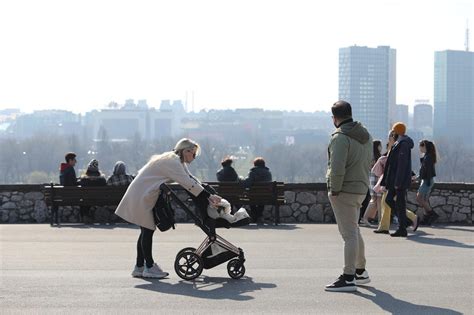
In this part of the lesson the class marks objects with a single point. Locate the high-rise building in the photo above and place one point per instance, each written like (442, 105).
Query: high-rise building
(367, 80)
(401, 114)
(423, 118)
(454, 96)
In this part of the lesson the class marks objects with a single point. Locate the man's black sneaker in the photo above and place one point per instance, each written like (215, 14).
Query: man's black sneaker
(381, 231)
(399, 233)
(342, 285)
(362, 278)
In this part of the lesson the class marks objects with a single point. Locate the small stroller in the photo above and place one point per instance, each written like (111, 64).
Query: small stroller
(213, 251)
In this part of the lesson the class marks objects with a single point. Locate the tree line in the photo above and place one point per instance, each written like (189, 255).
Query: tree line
(36, 160)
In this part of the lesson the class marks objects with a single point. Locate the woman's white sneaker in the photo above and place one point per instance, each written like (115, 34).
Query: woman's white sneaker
(137, 272)
(154, 272)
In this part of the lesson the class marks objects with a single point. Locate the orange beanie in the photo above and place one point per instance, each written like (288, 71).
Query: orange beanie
(399, 128)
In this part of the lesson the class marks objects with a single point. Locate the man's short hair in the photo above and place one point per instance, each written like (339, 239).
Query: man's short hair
(70, 156)
(341, 110)
(226, 162)
(259, 162)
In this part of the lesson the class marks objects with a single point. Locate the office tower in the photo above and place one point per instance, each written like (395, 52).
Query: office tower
(454, 96)
(423, 118)
(401, 113)
(367, 80)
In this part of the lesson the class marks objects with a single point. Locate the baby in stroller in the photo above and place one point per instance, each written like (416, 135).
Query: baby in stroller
(214, 250)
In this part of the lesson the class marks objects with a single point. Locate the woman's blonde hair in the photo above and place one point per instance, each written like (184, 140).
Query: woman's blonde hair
(186, 144)
(181, 145)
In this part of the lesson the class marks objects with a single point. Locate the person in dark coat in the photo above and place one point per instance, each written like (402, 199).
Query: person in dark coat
(427, 175)
(227, 173)
(92, 177)
(397, 176)
(67, 174)
(67, 177)
(259, 173)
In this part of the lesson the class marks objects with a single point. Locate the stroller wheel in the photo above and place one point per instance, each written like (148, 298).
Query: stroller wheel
(235, 268)
(188, 265)
(186, 249)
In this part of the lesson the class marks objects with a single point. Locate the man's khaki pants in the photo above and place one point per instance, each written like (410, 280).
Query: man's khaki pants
(346, 209)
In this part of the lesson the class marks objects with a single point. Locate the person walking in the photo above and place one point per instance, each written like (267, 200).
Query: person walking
(427, 174)
(257, 174)
(397, 177)
(349, 158)
(376, 198)
(386, 211)
(142, 194)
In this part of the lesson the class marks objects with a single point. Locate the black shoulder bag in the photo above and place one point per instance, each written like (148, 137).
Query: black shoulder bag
(163, 213)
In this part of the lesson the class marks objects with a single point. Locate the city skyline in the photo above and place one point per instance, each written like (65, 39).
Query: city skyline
(282, 55)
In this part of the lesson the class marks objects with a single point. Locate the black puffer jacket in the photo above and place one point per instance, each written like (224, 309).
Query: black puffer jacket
(227, 174)
(258, 174)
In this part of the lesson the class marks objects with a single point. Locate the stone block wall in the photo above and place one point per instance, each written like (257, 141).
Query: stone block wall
(305, 203)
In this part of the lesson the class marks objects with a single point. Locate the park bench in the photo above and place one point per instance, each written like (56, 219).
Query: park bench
(271, 193)
(56, 196)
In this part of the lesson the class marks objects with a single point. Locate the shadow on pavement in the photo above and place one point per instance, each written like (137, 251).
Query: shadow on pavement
(389, 303)
(454, 228)
(216, 288)
(420, 237)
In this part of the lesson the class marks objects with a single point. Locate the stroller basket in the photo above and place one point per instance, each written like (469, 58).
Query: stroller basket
(213, 251)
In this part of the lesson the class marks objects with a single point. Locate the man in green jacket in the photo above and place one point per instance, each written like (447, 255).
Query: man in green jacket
(349, 157)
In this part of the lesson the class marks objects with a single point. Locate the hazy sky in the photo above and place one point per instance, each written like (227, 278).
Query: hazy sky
(80, 55)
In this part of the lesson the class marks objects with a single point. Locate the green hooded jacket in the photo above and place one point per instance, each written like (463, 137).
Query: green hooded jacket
(349, 158)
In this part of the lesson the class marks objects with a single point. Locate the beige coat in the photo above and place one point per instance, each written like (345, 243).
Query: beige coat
(140, 198)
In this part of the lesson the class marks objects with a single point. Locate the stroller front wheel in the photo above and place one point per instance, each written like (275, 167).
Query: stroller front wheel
(188, 265)
(235, 268)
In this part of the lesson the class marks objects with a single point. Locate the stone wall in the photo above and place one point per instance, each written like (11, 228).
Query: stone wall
(305, 203)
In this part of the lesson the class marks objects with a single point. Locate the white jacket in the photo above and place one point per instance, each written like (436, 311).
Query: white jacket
(140, 198)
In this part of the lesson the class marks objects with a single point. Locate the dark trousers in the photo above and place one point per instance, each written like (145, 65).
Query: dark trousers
(364, 205)
(144, 248)
(398, 206)
(257, 211)
(54, 215)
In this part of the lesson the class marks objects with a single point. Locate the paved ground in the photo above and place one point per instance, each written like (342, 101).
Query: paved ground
(77, 269)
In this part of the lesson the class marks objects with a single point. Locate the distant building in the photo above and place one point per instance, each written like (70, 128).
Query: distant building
(367, 80)
(454, 96)
(423, 119)
(136, 120)
(401, 114)
(57, 122)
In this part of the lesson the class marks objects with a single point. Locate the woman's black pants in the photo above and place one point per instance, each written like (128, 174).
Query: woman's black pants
(144, 248)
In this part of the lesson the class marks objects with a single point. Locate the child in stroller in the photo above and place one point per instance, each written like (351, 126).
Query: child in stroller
(214, 250)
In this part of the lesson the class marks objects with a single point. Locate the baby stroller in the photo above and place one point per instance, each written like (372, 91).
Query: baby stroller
(213, 251)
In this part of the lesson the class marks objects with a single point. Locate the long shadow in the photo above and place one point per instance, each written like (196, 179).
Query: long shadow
(420, 237)
(454, 228)
(391, 304)
(215, 288)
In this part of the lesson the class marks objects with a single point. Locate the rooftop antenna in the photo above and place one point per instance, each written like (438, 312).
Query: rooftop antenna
(466, 43)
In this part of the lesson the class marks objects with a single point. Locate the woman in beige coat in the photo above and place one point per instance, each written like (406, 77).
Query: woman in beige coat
(140, 198)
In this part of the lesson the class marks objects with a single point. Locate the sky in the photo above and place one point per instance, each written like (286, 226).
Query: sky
(282, 55)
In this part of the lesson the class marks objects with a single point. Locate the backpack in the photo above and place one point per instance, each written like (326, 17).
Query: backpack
(163, 213)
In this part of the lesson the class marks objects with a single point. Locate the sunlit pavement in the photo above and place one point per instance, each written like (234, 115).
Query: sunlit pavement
(86, 269)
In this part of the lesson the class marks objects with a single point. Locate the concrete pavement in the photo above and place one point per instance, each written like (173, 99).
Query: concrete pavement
(86, 269)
